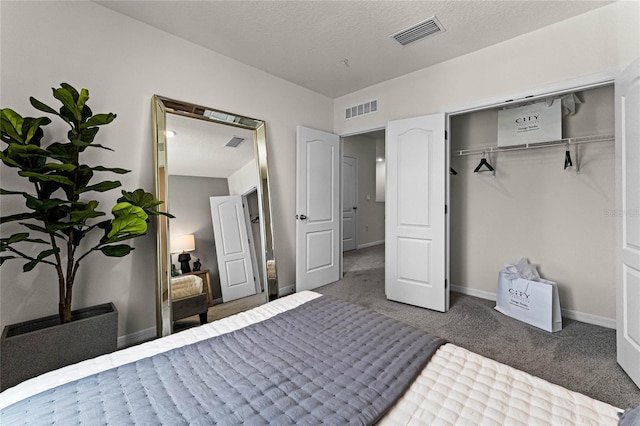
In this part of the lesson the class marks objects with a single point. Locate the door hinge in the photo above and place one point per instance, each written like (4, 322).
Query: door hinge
(446, 209)
(446, 283)
(446, 136)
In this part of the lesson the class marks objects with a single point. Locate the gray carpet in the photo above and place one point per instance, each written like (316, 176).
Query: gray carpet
(581, 357)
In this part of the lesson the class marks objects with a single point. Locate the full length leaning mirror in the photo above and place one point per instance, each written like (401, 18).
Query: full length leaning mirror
(211, 172)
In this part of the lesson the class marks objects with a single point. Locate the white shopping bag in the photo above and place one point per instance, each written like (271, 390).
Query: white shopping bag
(534, 302)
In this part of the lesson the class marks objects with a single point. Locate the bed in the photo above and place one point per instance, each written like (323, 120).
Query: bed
(188, 298)
(444, 384)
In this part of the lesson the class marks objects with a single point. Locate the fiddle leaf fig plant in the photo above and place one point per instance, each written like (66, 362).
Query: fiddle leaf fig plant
(58, 209)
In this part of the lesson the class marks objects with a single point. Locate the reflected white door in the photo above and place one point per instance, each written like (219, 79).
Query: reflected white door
(317, 208)
(349, 202)
(415, 212)
(232, 247)
(628, 220)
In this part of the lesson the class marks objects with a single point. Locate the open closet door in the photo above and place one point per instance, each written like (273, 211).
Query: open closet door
(628, 220)
(415, 212)
(317, 208)
(235, 265)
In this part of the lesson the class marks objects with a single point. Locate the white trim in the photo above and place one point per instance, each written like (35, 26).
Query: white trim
(362, 130)
(473, 292)
(579, 83)
(137, 337)
(287, 290)
(566, 313)
(371, 244)
(589, 318)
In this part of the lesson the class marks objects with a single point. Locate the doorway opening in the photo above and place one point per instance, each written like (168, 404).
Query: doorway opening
(363, 191)
(542, 201)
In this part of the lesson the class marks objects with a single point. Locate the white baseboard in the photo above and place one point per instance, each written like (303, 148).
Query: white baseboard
(137, 337)
(566, 313)
(472, 292)
(287, 290)
(589, 319)
(371, 244)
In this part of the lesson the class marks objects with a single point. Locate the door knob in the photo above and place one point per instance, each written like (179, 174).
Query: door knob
(303, 217)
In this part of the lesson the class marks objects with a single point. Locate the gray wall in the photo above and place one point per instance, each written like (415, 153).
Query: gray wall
(370, 212)
(189, 203)
(534, 208)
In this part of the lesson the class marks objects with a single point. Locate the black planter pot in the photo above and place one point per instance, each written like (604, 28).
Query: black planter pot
(30, 348)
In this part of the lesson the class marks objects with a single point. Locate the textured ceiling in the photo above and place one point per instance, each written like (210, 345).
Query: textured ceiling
(198, 148)
(307, 42)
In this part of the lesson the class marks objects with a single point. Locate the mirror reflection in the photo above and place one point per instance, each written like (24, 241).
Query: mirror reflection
(219, 251)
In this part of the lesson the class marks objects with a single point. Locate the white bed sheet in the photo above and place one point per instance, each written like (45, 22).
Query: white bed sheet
(185, 286)
(456, 387)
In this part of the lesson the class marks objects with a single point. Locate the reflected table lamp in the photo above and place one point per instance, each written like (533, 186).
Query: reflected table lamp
(182, 245)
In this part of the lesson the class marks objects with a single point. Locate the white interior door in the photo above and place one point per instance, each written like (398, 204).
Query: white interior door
(415, 258)
(317, 208)
(349, 203)
(232, 247)
(628, 220)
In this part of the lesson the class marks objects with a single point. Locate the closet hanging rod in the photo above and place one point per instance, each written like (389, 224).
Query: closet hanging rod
(559, 142)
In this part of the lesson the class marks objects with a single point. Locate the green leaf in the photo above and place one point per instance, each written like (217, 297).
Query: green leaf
(116, 251)
(127, 226)
(19, 216)
(138, 198)
(72, 90)
(83, 97)
(23, 236)
(5, 258)
(47, 178)
(109, 169)
(64, 152)
(42, 255)
(40, 229)
(15, 238)
(64, 95)
(42, 107)
(66, 167)
(101, 187)
(43, 205)
(82, 144)
(100, 119)
(124, 208)
(88, 212)
(9, 161)
(6, 192)
(34, 125)
(15, 120)
(25, 150)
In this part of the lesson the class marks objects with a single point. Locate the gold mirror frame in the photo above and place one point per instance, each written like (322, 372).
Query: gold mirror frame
(161, 106)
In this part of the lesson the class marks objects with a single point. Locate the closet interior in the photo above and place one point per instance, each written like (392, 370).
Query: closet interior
(552, 202)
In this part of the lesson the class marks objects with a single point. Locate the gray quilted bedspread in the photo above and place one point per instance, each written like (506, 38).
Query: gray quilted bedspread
(324, 362)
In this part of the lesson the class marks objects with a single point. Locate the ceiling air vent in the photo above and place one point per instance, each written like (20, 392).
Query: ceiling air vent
(235, 141)
(362, 109)
(419, 31)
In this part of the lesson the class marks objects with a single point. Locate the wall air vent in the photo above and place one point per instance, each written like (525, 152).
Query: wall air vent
(419, 31)
(234, 142)
(362, 109)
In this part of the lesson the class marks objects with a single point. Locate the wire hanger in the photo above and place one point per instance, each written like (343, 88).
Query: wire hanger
(483, 162)
(567, 158)
(452, 171)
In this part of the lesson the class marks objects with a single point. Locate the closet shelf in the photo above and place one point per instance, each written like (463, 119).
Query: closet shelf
(566, 141)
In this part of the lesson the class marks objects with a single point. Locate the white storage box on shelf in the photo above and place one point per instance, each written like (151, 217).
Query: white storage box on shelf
(528, 298)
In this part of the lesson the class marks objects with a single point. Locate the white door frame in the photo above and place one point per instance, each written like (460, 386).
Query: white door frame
(355, 211)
